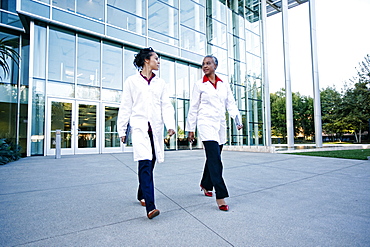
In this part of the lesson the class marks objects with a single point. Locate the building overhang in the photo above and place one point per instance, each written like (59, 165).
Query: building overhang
(274, 6)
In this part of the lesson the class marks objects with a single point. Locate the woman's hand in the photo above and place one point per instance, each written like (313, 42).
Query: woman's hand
(191, 136)
(239, 127)
(171, 132)
(123, 138)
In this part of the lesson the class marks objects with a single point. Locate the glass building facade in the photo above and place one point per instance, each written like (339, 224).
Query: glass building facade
(76, 55)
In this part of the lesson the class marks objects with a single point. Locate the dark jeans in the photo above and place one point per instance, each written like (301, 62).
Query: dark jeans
(146, 182)
(212, 174)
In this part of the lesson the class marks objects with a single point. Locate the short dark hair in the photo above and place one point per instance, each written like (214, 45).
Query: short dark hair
(140, 57)
(214, 59)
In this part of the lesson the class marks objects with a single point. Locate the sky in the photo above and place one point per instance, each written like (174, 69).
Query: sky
(343, 40)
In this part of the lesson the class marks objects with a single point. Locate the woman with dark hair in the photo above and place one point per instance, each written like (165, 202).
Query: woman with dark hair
(209, 101)
(147, 107)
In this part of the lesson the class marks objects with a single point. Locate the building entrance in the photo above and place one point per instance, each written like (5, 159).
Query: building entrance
(79, 125)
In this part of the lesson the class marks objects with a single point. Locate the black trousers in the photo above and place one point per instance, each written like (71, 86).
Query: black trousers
(212, 174)
(146, 182)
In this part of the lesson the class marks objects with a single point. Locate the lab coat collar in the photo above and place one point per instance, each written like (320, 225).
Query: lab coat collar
(205, 79)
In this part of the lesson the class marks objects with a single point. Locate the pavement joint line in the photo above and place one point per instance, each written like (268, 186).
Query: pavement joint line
(181, 207)
(59, 188)
(294, 181)
(79, 231)
(201, 222)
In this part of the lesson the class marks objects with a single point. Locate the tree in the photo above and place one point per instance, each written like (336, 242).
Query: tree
(355, 108)
(331, 99)
(7, 52)
(302, 114)
(278, 114)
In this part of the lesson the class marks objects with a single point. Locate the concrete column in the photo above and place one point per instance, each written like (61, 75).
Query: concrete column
(265, 78)
(288, 90)
(315, 76)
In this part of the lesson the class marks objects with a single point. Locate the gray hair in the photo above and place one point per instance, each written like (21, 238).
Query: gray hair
(215, 60)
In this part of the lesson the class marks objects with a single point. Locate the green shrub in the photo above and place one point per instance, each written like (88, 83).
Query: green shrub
(9, 152)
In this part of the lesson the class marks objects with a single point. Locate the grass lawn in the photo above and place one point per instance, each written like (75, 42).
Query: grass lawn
(357, 154)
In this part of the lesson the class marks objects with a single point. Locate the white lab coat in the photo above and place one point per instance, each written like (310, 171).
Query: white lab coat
(207, 110)
(142, 103)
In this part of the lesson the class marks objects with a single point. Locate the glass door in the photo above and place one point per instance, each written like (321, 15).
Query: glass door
(111, 141)
(78, 122)
(60, 117)
(87, 139)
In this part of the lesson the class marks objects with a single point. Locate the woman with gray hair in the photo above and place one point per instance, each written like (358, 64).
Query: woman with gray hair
(210, 99)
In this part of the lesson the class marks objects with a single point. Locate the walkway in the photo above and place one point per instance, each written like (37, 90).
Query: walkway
(275, 200)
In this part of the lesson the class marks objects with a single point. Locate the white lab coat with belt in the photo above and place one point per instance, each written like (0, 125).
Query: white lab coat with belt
(142, 103)
(207, 110)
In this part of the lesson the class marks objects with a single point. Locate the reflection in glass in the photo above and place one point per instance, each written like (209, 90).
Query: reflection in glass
(86, 92)
(192, 15)
(61, 119)
(167, 73)
(86, 126)
(163, 22)
(111, 134)
(182, 112)
(65, 4)
(128, 62)
(112, 66)
(88, 61)
(61, 56)
(61, 89)
(93, 9)
(182, 81)
(193, 40)
(111, 95)
(129, 15)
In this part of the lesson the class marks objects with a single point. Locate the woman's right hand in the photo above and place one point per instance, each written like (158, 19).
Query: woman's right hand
(191, 136)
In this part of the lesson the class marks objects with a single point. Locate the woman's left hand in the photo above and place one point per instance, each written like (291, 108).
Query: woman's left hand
(239, 127)
(170, 132)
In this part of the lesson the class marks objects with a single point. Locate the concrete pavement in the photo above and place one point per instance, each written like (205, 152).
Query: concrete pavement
(275, 200)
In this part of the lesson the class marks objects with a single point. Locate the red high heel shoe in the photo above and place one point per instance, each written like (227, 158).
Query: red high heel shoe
(223, 207)
(206, 193)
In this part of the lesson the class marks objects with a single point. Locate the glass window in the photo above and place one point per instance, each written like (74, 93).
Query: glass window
(254, 66)
(137, 7)
(38, 113)
(128, 63)
(217, 10)
(88, 61)
(193, 40)
(65, 4)
(163, 22)
(8, 106)
(253, 43)
(130, 15)
(112, 66)
(182, 81)
(61, 56)
(194, 75)
(93, 9)
(61, 89)
(167, 73)
(182, 112)
(40, 49)
(221, 55)
(192, 15)
(11, 75)
(86, 92)
(216, 33)
(111, 95)
(9, 5)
